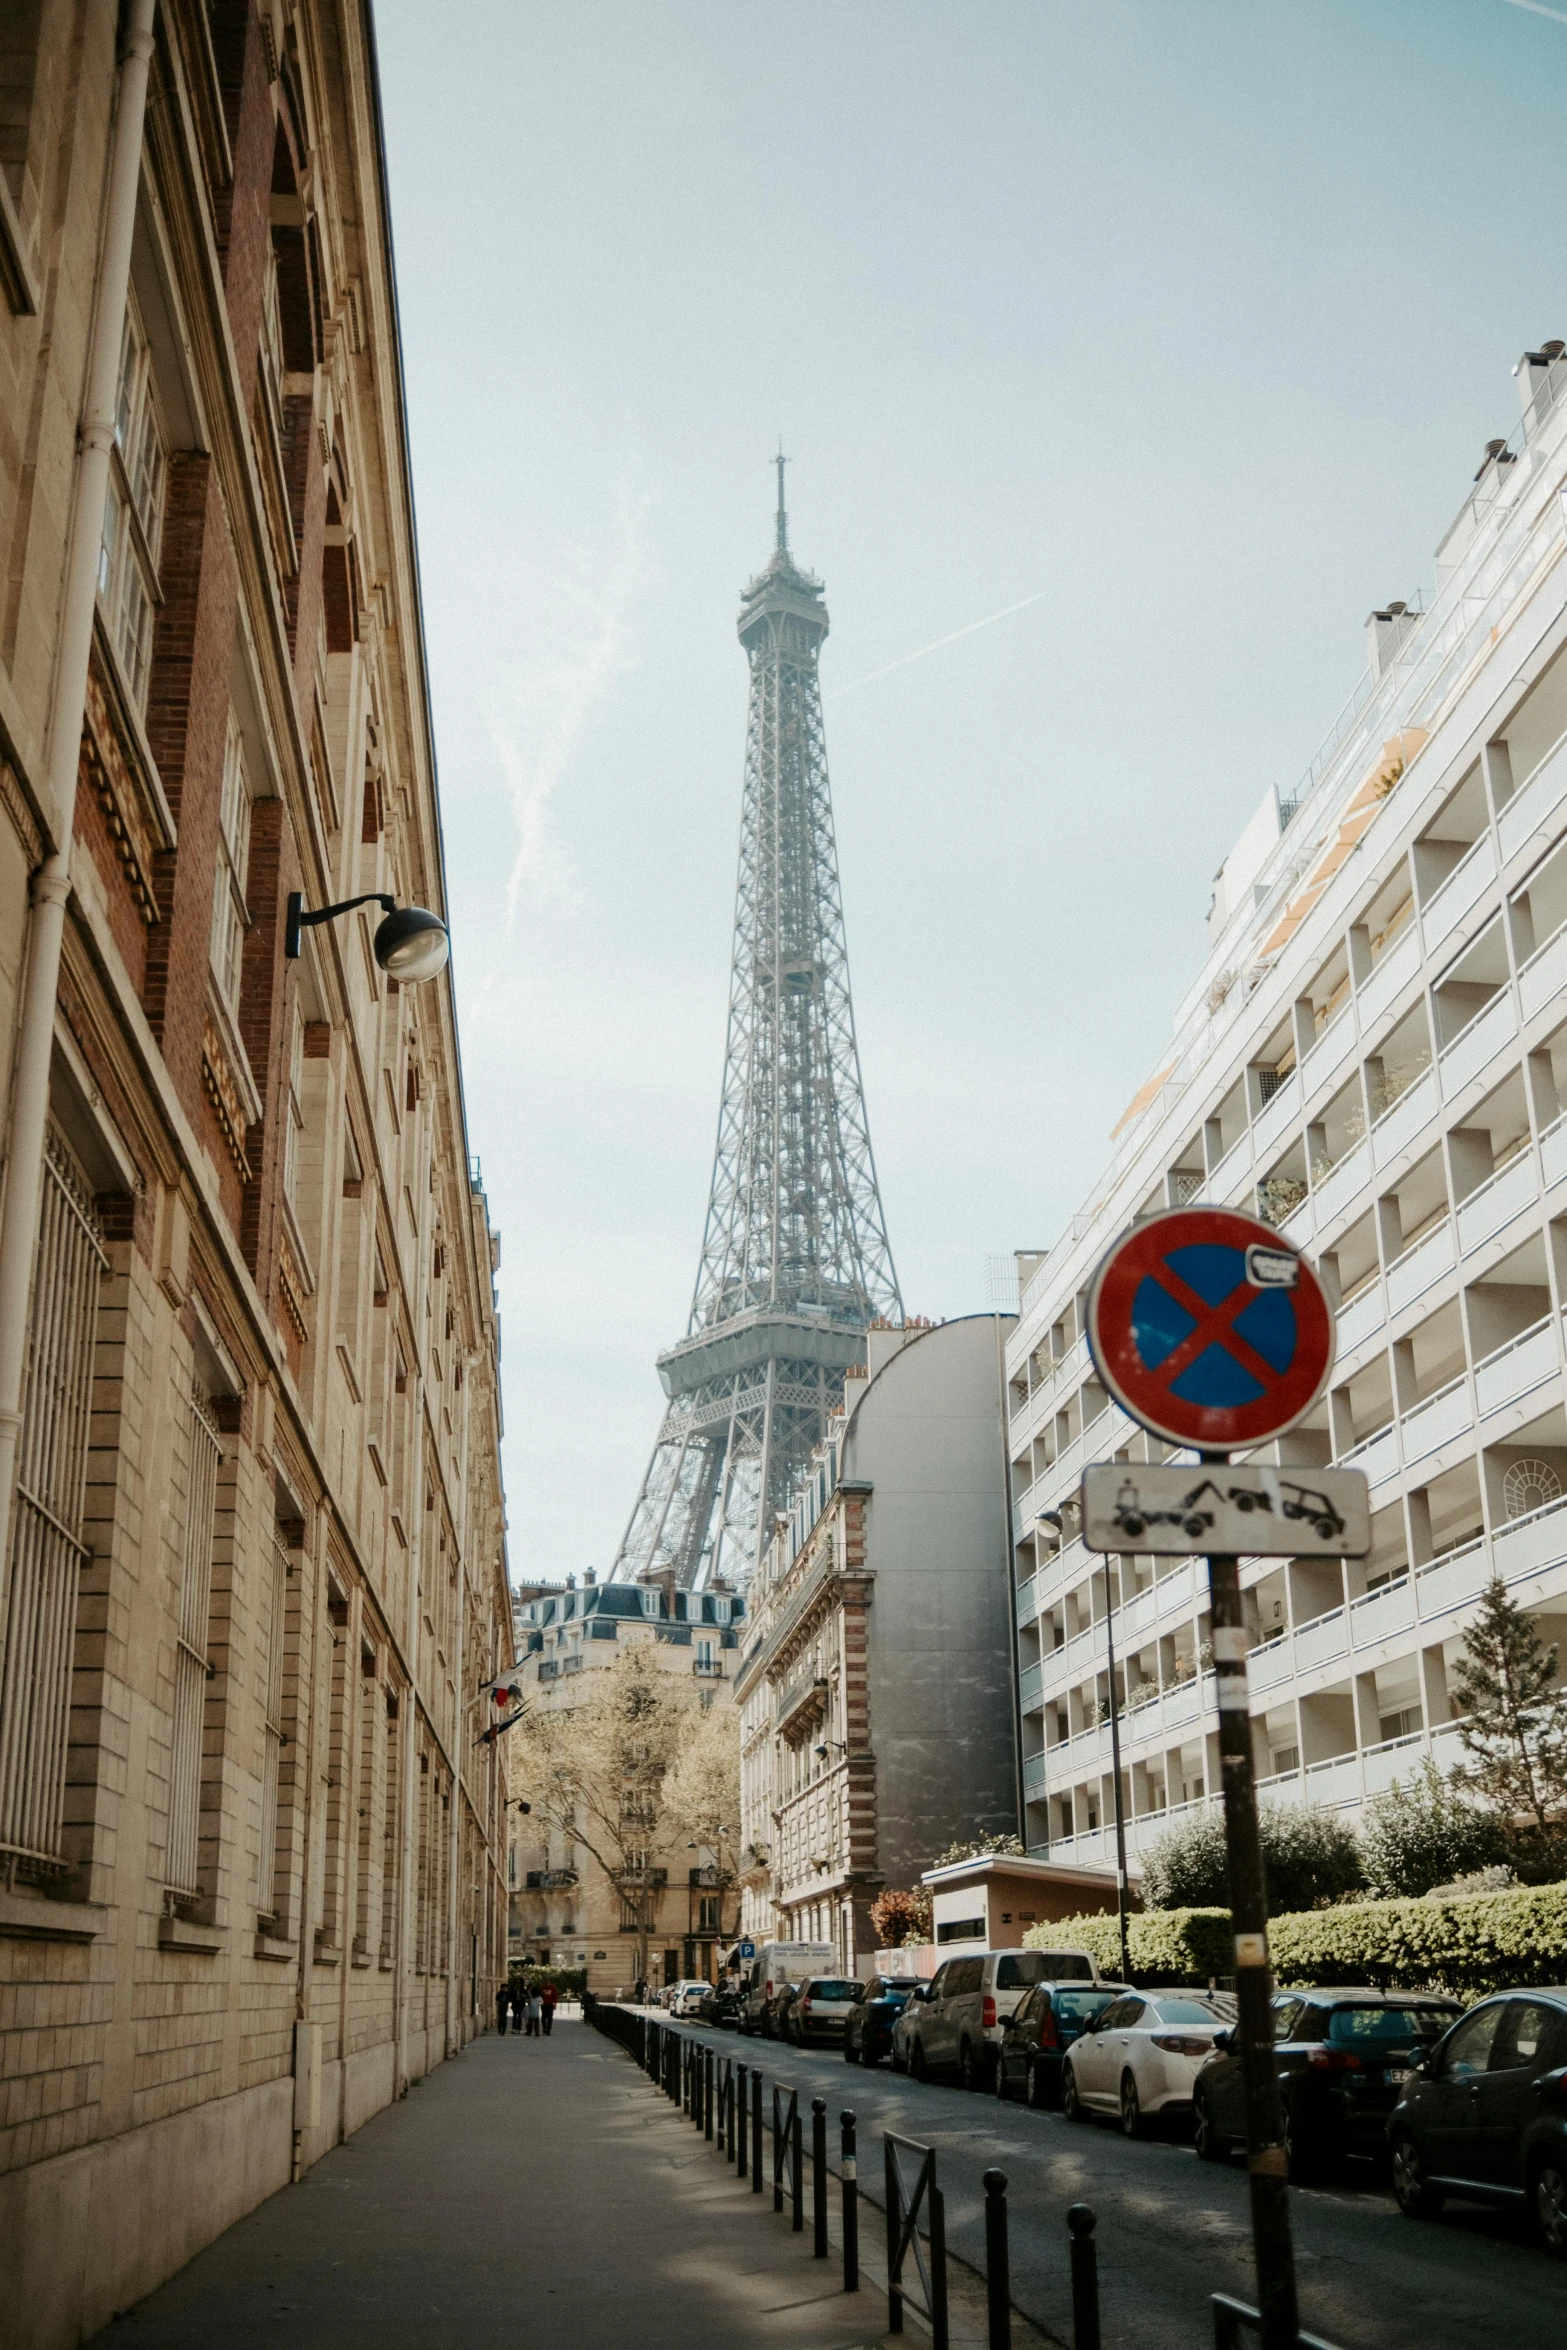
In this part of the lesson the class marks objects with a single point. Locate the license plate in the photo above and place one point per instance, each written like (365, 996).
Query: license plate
(1396, 2076)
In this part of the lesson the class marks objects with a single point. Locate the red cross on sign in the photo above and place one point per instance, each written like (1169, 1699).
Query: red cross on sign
(1209, 1328)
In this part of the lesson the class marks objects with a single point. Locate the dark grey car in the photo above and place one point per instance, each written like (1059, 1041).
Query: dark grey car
(1484, 2115)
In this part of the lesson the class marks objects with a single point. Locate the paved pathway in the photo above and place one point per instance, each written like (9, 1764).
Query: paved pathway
(536, 2194)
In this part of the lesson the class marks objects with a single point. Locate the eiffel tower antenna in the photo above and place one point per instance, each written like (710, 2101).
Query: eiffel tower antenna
(795, 1262)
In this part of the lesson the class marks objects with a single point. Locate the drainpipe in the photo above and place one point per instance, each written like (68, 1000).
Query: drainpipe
(52, 882)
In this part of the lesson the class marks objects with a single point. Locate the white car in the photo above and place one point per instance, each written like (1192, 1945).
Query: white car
(1142, 2055)
(689, 1999)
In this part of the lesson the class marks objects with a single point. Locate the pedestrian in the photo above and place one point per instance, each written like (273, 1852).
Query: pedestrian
(502, 2006)
(535, 2012)
(548, 1996)
(519, 2001)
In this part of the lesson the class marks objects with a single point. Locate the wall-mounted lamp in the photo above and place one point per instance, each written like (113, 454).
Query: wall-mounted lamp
(410, 943)
(822, 1752)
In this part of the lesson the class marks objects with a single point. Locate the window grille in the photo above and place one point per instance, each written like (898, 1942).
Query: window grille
(230, 916)
(133, 511)
(46, 1544)
(190, 1650)
(1268, 1083)
(1186, 1184)
(267, 1890)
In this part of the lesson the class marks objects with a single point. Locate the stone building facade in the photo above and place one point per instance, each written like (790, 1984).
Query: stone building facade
(877, 1720)
(566, 1910)
(251, 1856)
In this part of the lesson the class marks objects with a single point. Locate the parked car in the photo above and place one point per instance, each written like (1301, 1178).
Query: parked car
(1140, 2057)
(726, 2007)
(958, 2023)
(692, 2000)
(1038, 2033)
(1484, 2115)
(1343, 2058)
(774, 1965)
(824, 2006)
(776, 2013)
(867, 2031)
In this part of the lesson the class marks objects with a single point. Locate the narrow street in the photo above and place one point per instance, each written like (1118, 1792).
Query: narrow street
(1173, 2230)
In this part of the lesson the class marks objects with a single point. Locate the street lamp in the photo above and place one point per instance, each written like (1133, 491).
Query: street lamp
(410, 942)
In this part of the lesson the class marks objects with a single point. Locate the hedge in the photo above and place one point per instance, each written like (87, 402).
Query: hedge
(1478, 1943)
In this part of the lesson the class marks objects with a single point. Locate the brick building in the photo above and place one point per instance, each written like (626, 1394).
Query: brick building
(251, 1860)
(876, 1710)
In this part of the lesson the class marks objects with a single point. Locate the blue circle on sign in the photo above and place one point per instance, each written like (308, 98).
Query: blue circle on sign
(1216, 1377)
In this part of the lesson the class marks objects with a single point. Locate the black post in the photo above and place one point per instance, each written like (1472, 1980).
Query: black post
(1085, 2278)
(796, 2173)
(756, 2129)
(742, 2075)
(709, 2067)
(894, 2231)
(849, 2174)
(998, 2281)
(938, 2263)
(819, 2175)
(1115, 1767)
(1266, 2161)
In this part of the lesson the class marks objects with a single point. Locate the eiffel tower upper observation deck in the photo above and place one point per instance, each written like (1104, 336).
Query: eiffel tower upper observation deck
(795, 1262)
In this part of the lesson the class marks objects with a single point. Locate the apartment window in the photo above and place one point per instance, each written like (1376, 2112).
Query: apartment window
(46, 1546)
(133, 511)
(268, 1901)
(1404, 1723)
(1285, 1758)
(230, 916)
(190, 1647)
(707, 1913)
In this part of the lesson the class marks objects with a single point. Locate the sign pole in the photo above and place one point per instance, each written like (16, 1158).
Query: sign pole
(1115, 1765)
(1266, 2162)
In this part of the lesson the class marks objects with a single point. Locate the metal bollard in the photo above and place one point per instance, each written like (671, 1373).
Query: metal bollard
(848, 2172)
(1085, 2278)
(819, 2176)
(742, 2077)
(709, 2069)
(998, 2281)
(756, 2130)
(796, 2176)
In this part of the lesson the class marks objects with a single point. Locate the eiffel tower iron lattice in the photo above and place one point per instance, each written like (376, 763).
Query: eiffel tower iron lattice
(795, 1262)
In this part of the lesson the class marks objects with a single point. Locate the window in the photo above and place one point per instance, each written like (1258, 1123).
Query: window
(267, 1871)
(46, 1547)
(707, 1913)
(1468, 2051)
(1531, 2039)
(190, 1648)
(230, 916)
(961, 1930)
(133, 511)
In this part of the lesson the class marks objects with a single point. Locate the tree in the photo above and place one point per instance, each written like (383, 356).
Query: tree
(601, 1772)
(972, 1851)
(702, 1788)
(1514, 1726)
(1308, 1855)
(1426, 1832)
(901, 1917)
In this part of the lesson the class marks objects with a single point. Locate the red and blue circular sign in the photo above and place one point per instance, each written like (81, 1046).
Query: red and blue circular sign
(1209, 1329)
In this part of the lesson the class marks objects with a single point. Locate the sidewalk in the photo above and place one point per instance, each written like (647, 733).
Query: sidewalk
(537, 2194)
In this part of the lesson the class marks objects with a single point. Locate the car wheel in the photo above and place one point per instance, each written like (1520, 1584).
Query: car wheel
(850, 2055)
(917, 2071)
(1550, 2204)
(869, 2057)
(1071, 2104)
(900, 2064)
(1132, 2123)
(1412, 2190)
(1034, 2085)
(999, 2083)
(969, 2073)
(1210, 2146)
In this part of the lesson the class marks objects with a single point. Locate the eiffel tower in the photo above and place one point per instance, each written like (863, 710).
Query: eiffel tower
(795, 1262)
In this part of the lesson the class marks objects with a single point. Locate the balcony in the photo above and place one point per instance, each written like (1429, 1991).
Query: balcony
(1361, 1319)
(1412, 1274)
(1378, 1615)
(1437, 1421)
(1336, 1781)
(1459, 893)
(1508, 1192)
(1276, 1117)
(1027, 1594)
(799, 1700)
(1322, 1638)
(549, 1880)
(1531, 1545)
(1031, 1682)
(1453, 1580)
(1033, 1771)
(1399, 1124)
(1542, 979)
(1333, 1048)
(1473, 1047)
(1333, 1192)
(1553, 1151)
(1513, 1370)
(1377, 1455)
(1537, 800)
(708, 1668)
(1395, 970)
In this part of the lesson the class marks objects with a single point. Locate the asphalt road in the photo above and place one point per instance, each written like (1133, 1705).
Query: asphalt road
(1172, 2230)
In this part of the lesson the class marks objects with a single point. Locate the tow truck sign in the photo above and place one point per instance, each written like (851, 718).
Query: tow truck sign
(1171, 1509)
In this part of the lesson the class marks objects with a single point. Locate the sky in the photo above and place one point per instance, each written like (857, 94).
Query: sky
(1171, 330)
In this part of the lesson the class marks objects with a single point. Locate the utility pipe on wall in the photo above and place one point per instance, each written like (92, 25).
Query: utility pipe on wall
(52, 882)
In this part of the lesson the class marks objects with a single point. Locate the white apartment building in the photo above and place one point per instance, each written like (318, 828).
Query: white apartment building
(1374, 1057)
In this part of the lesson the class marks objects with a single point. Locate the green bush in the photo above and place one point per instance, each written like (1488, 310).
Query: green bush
(1469, 1945)
(1424, 1832)
(1164, 1945)
(1309, 1855)
(569, 1981)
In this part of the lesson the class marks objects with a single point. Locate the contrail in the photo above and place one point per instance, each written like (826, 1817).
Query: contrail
(1535, 9)
(902, 663)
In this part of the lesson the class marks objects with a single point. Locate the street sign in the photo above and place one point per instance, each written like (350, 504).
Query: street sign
(1209, 1329)
(746, 1950)
(1171, 1510)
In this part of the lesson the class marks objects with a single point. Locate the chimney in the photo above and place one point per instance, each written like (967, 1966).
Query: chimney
(1540, 376)
(1385, 632)
(589, 1578)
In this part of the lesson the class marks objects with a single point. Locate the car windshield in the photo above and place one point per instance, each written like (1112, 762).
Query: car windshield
(1388, 2023)
(1187, 2011)
(829, 1987)
(898, 1987)
(1077, 2006)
